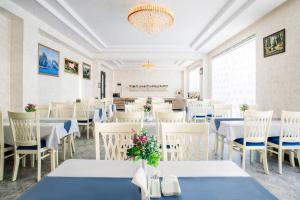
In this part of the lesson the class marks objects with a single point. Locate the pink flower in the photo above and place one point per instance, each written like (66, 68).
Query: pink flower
(143, 139)
(133, 131)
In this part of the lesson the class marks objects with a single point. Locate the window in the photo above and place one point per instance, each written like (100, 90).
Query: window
(233, 75)
(194, 80)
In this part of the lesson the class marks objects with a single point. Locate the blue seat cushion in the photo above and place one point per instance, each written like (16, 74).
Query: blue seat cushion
(241, 141)
(199, 116)
(84, 121)
(275, 140)
(43, 144)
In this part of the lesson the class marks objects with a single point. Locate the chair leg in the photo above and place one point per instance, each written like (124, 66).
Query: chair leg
(16, 166)
(244, 159)
(24, 162)
(73, 142)
(221, 146)
(64, 149)
(32, 157)
(251, 156)
(282, 156)
(230, 150)
(39, 163)
(280, 161)
(216, 143)
(292, 159)
(265, 161)
(56, 159)
(298, 157)
(88, 132)
(70, 146)
(1, 164)
(52, 159)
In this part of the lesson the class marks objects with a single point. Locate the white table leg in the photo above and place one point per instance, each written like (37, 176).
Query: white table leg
(230, 150)
(53, 158)
(221, 140)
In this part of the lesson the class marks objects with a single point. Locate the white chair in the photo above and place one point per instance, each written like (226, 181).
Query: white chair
(185, 141)
(162, 107)
(256, 130)
(66, 111)
(27, 140)
(116, 137)
(289, 139)
(157, 100)
(169, 117)
(6, 150)
(82, 114)
(44, 110)
(130, 117)
(134, 107)
(197, 111)
(221, 111)
(142, 101)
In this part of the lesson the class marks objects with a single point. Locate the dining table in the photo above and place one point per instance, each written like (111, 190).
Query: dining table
(111, 180)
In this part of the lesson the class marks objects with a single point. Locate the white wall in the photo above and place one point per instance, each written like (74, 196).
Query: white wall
(5, 34)
(173, 78)
(27, 85)
(278, 76)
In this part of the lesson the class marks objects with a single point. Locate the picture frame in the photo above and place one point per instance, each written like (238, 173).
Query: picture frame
(71, 66)
(274, 44)
(86, 71)
(48, 61)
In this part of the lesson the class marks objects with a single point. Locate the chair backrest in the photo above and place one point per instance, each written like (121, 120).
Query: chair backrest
(185, 141)
(95, 104)
(134, 107)
(257, 125)
(290, 126)
(25, 128)
(222, 110)
(191, 100)
(162, 107)
(157, 100)
(198, 108)
(116, 137)
(44, 110)
(82, 111)
(129, 117)
(65, 111)
(53, 107)
(142, 101)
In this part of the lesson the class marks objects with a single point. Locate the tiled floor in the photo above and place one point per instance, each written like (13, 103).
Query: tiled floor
(285, 187)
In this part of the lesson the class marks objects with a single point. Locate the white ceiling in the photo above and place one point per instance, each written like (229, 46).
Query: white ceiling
(101, 26)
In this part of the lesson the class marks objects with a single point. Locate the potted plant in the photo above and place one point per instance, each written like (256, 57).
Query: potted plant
(243, 108)
(144, 148)
(30, 108)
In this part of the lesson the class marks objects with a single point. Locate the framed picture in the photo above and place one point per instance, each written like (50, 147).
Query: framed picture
(274, 44)
(48, 61)
(71, 66)
(86, 71)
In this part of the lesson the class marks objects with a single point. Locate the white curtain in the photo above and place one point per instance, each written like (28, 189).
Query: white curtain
(194, 80)
(234, 76)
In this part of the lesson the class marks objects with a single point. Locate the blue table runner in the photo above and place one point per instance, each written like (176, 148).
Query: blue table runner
(192, 188)
(219, 120)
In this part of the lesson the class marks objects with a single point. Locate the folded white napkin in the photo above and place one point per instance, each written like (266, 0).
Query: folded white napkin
(170, 186)
(140, 180)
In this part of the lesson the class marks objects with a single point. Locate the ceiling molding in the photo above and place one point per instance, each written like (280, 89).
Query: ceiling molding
(145, 55)
(106, 65)
(241, 9)
(67, 8)
(59, 16)
(219, 14)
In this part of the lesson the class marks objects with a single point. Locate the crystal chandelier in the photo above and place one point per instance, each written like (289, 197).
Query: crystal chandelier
(150, 18)
(148, 65)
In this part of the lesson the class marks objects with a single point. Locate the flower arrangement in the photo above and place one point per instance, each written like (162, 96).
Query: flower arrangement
(144, 147)
(147, 108)
(30, 108)
(244, 107)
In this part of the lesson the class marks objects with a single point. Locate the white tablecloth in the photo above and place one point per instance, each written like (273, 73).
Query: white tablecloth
(109, 168)
(52, 130)
(232, 130)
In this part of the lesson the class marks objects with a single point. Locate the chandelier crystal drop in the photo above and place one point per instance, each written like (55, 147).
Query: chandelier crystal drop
(150, 18)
